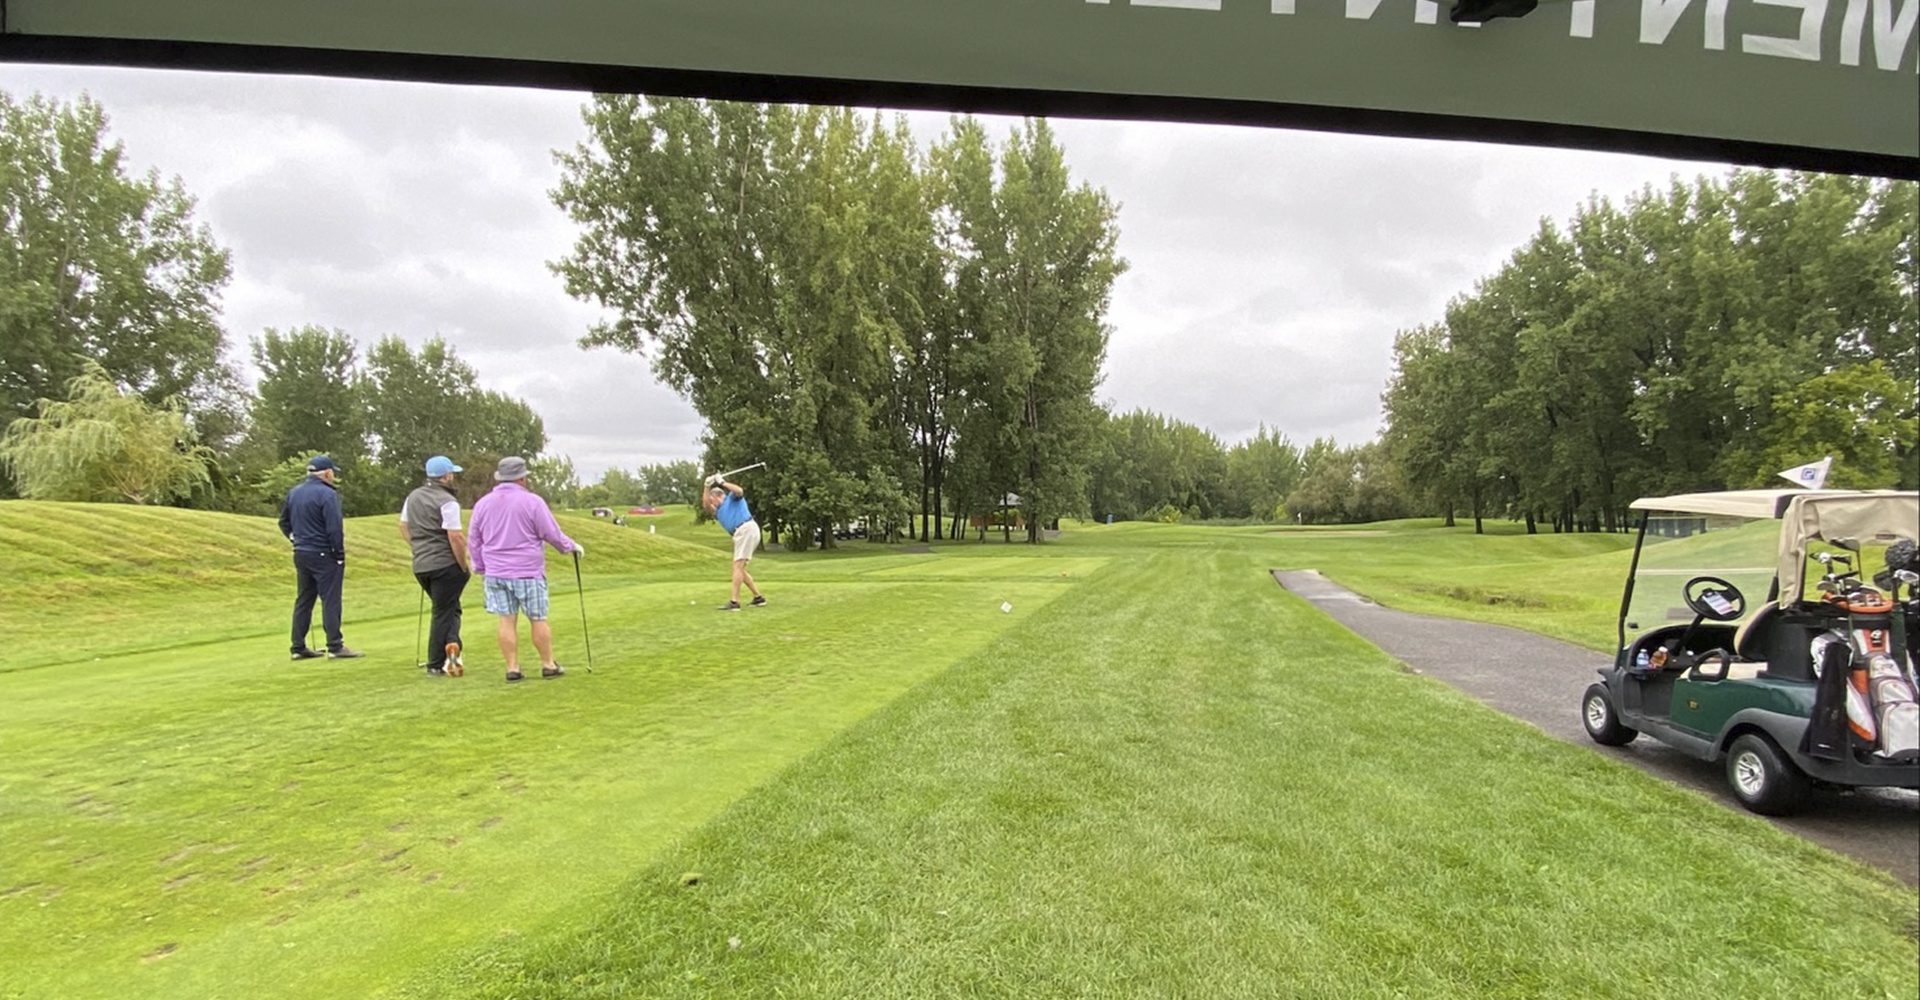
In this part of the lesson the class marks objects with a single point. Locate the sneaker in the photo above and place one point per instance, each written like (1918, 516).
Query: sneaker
(343, 653)
(554, 671)
(436, 672)
(759, 601)
(307, 654)
(456, 667)
(730, 606)
(515, 675)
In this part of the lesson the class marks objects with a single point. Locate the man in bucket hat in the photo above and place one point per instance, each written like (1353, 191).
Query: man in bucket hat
(430, 524)
(311, 521)
(504, 543)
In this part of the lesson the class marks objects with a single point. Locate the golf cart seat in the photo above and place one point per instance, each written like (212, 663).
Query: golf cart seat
(1753, 640)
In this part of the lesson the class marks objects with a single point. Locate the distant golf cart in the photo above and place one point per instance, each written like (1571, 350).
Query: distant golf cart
(1813, 685)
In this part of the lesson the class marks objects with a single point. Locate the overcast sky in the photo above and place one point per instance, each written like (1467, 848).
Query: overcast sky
(1270, 269)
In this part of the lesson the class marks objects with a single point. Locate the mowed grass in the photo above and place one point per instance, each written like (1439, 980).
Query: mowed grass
(1160, 775)
(208, 819)
(1565, 585)
(1176, 780)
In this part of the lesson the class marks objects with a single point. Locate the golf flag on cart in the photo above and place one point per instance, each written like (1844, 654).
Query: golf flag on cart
(1812, 475)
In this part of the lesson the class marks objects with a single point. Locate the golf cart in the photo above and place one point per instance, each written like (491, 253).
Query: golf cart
(1813, 684)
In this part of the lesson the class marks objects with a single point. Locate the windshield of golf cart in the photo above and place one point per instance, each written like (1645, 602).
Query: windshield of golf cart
(1679, 547)
(1747, 552)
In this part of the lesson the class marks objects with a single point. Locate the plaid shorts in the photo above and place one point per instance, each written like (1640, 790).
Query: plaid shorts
(508, 597)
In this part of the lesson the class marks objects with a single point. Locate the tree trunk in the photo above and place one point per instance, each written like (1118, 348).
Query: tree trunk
(1479, 528)
(1533, 528)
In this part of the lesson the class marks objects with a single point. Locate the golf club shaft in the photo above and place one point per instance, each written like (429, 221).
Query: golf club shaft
(744, 468)
(580, 589)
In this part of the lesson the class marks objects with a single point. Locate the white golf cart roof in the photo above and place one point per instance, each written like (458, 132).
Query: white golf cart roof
(1809, 515)
(1768, 504)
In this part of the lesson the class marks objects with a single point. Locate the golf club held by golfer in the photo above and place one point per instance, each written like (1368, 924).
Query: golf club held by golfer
(720, 477)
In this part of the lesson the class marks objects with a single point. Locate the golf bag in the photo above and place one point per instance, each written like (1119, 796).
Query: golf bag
(1861, 667)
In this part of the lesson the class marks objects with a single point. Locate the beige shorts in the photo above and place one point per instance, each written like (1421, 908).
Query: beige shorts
(746, 538)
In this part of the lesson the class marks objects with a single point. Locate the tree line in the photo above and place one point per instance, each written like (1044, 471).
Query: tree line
(115, 382)
(1706, 335)
(913, 336)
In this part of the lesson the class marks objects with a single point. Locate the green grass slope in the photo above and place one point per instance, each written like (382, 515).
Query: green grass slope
(81, 581)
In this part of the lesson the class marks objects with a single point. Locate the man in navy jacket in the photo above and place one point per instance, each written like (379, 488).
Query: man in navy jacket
(311, 521)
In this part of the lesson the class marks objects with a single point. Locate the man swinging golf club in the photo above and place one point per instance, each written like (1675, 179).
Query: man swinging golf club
(726, 502)
(503, 543)
(430, 524)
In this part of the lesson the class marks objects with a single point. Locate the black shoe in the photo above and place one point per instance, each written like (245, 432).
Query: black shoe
(759, 600)
(515, 675)
(307, 654)
(730, 606)
(436, 672)
(343, 653)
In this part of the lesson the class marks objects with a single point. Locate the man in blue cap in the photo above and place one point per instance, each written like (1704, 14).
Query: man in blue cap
(430, 524)
(311, 521)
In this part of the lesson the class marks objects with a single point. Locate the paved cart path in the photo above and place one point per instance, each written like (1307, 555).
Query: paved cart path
(1880, 827)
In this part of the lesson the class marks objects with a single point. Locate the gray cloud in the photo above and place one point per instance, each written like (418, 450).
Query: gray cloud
(1270, 269)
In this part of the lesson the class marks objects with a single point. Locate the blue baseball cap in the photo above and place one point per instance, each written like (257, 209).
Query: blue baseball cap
(321, 463)
(440, 465)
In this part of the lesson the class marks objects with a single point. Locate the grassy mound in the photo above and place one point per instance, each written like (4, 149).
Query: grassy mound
(83, 581)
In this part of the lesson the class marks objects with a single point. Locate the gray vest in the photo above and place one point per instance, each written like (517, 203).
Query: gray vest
(431, 550)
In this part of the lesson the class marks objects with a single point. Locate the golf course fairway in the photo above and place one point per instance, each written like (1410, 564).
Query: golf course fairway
(1157, 775)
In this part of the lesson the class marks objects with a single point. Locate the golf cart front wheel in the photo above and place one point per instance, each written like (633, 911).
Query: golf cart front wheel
(1602, 722)
(1763, 779)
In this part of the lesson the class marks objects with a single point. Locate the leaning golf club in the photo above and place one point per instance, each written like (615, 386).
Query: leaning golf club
(417, 616)
(580, 589)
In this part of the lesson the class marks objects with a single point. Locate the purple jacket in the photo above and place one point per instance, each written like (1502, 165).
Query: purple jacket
(509, 523)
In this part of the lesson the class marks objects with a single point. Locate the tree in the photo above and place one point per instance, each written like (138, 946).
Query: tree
(1697, 336)
(1261, 471)
(104, 443)
(556, 479)
(1325, 493)
(1039, 265)
(429, 402)
(96, 264)
(310, 398)
(670, 482)
(739, 246)
(1853, 413)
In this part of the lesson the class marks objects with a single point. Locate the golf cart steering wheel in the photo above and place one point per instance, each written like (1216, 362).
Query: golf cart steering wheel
(1714, 599)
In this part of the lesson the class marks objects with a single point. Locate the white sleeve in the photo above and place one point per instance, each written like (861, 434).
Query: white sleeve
(403, 515)
(450, 515)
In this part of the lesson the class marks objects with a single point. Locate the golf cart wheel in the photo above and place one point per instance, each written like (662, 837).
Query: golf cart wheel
(1602, 722)
(1763, 779)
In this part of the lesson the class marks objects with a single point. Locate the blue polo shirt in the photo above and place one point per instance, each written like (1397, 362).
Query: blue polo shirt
(732, 512)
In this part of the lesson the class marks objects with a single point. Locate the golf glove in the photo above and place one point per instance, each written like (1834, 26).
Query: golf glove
(579, 549)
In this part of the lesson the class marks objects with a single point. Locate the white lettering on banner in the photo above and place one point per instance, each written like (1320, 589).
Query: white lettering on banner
(1424, 11)
(1890, 31)
(1582, 24)
(1892, 23)
(1657, 18)
(1806, 45)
